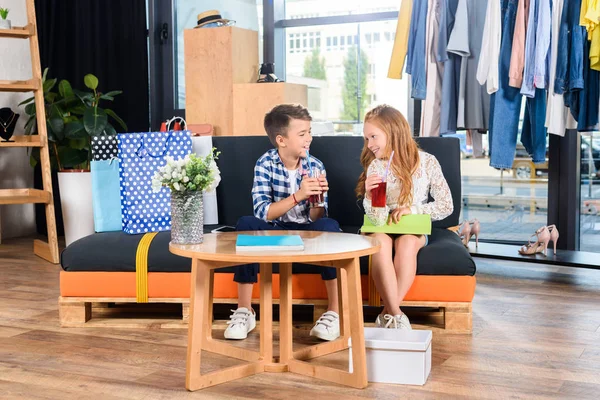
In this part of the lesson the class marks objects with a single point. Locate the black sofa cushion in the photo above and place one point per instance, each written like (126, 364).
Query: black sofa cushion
(115, 252)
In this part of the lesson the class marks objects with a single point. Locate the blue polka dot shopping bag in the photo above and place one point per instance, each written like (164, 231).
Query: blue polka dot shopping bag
(141, 155)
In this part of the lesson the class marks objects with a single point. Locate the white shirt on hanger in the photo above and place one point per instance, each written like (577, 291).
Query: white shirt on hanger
(487, 69)
(558, 117)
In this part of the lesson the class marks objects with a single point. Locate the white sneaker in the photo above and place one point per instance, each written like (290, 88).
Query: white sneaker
(379, 321)
(394, 322)
(242, 321)
(403, 322)
(327, 327)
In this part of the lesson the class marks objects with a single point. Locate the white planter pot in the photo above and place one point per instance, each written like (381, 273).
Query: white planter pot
(76, 202)
(5, 24)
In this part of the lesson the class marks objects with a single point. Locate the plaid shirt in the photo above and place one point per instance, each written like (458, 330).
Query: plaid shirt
(272, 184)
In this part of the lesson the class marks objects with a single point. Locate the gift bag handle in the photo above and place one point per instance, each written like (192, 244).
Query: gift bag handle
(142, 148)
(180, 119)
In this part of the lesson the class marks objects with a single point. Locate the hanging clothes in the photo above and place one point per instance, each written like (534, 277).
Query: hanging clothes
(558, 117)
(415, 56)
(517, 57)
(487, 69)
(591, 20)
(451, 61)
(430, 116)
(506, 106)
(574, 78)
(466, 40)
(536, 47)
(400, 41)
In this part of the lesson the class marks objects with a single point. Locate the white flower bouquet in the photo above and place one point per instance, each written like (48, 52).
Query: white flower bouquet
(190, 174)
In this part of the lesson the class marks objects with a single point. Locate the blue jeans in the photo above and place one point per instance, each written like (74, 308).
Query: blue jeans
(505, 107)
(248, 273)
(415, 56)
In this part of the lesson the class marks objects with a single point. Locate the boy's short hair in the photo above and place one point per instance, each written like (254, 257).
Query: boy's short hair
(278, 119)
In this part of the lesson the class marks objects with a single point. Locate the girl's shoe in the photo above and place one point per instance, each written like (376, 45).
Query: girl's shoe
(543, 236)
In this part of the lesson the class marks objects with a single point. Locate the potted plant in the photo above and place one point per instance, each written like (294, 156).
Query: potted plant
(72, 118)
(4, 23)
(187, 179)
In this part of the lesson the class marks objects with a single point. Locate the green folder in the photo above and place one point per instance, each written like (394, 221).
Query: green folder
(414, 224)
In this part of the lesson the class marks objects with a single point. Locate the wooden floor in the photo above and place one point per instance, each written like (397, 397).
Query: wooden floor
(536, 335)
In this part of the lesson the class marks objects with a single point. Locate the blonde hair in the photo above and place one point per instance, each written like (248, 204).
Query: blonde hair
(400, 140)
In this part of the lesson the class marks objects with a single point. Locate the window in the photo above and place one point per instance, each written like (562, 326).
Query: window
(336, 97)
(376, 37)
(388, 36)
(328, 42)
(297, 8)
(589, 215)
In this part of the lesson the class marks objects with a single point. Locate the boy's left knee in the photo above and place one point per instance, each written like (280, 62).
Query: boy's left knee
(326, 225)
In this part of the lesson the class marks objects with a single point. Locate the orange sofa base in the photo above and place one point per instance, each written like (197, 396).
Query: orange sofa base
(431, 288)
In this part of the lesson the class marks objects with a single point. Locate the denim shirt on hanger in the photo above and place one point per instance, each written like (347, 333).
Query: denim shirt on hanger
(415, 56)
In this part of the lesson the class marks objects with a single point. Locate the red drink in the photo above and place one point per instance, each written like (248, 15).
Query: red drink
(378, 195)
(316, 200)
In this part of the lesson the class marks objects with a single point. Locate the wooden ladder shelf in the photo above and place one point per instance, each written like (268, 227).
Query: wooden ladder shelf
(46, 250)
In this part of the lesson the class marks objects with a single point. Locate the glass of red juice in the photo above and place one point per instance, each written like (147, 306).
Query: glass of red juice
(378, 195)
(317, 200)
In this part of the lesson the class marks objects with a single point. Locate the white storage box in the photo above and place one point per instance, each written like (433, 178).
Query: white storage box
(397, 356)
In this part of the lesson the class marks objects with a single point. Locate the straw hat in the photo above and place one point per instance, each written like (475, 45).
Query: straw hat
(211, 16)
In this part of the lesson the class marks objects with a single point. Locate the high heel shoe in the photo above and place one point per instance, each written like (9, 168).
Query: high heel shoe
(540, 245)
(468, 229)
(553, 235)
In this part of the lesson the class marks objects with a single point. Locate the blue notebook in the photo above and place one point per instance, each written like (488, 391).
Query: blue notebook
(262, 243)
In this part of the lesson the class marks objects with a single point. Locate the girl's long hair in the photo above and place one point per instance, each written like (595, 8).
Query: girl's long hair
(400, 140)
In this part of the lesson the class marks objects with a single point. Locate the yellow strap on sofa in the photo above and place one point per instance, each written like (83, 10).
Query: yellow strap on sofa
(141, 267)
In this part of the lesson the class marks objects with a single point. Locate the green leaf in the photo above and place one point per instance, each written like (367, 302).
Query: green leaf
(116, 118)
(49, 84)
(71, 157)
(79, 144)
(50, 97)
(113, 93)
(90, 81)
(57, 125)
(30, 124)
(110, 130)
(30, 109)
(107, 97)
(94, 120)
(79, 110)
(65, 89)
(44, 74)
(75, 130)
(27, 101)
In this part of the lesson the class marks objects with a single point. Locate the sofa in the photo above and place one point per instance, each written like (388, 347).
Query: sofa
(101, 268)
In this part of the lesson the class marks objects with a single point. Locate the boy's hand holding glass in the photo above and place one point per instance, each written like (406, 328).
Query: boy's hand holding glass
(397, 213)
(308, 187)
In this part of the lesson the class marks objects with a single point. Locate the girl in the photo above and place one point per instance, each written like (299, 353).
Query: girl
(412, 176)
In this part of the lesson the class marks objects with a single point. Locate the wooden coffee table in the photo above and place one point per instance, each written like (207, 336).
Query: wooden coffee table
(339, 250)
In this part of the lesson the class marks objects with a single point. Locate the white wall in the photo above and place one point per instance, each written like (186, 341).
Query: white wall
(15, 172)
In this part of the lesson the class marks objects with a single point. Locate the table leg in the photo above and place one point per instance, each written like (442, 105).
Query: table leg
(354, 326)
(342, 284)
(266, 313)
(199, 331)
(200, 279)
(285, 312)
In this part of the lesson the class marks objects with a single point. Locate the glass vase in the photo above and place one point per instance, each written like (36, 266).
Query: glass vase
(187, 217)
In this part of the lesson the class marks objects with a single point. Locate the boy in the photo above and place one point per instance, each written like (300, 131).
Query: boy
(280, 198)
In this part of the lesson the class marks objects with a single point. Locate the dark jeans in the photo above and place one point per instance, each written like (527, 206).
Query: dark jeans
(248, 273)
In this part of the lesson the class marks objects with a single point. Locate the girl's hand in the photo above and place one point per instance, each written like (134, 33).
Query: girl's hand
(397, 214)
(371, 183)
